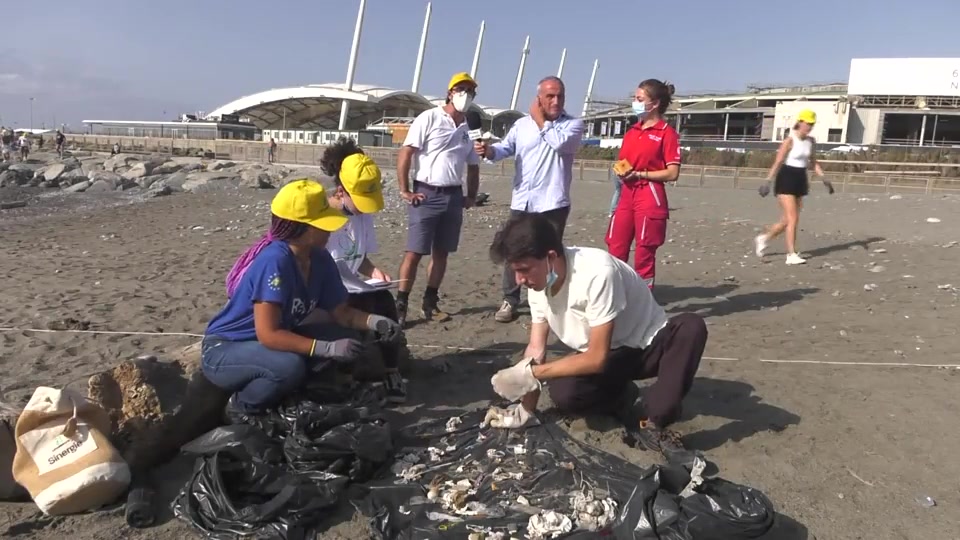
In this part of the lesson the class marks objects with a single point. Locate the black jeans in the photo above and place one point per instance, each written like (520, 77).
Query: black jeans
(673, 358)
(557, 216)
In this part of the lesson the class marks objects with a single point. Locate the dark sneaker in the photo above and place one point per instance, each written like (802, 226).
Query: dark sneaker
(431, 310)
(657, 439)
(506, 313)
(401, 312)
(395, 388)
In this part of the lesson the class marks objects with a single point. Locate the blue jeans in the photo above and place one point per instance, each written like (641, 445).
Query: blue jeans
(261, 377)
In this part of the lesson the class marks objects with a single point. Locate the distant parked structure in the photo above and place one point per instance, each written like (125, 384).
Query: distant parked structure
(888, 101)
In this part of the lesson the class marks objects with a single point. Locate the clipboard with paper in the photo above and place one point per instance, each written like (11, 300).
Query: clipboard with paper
(357, 285)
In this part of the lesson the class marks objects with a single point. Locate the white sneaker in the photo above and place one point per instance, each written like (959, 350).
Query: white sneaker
(795, 258)
(761, 243)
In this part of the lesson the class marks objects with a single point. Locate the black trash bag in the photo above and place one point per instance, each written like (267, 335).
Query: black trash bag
(553, 468)
(316, 404)
(652, 512)
(241, 486)
(354, 449)
(722, 510)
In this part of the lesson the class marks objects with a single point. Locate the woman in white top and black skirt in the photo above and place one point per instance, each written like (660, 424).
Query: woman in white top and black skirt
(795, 156)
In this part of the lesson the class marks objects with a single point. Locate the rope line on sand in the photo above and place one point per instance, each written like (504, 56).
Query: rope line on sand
(108, 332)
(497, 349)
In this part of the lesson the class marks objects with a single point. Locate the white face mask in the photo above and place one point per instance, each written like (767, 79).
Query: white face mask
(461, 101)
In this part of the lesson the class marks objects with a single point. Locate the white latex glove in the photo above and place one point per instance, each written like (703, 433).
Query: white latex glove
(515, 382)
(513, 417)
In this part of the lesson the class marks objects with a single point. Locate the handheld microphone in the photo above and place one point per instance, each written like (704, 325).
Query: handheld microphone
(475, 125)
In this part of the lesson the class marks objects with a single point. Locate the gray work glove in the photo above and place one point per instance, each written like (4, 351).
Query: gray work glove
(514, 382)
(513, 417)
(385, 329)
(764, 189)
(341, 350)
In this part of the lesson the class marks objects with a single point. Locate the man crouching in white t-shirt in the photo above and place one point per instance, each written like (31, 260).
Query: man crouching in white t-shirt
(600, 307)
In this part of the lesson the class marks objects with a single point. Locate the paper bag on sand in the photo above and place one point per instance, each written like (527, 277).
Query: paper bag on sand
(64, 458)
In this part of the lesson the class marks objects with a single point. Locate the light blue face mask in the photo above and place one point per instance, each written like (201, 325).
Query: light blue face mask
(551, 280)
(640, 108)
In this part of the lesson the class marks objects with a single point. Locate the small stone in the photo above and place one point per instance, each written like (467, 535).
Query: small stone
(878, 268)
(896, 197)
(879, 250)
(843, 333)
(196, 228)
(933, 220)
(869, 287)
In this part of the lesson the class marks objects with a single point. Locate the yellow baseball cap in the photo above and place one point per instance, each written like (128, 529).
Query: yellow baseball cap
(360, 177)
(305, 201)
(461, 77)
(807, 116)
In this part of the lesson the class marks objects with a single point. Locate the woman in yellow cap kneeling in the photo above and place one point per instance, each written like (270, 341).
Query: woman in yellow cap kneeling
(255, 346)
(796, 154)
(358, 193)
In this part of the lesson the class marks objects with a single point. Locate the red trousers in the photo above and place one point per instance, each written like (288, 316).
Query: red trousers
(631, 222)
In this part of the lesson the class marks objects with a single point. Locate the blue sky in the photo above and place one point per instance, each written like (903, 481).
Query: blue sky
(137, 59)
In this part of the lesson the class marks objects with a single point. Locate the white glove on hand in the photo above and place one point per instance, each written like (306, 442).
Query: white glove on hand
(515, 382)
(513, 417)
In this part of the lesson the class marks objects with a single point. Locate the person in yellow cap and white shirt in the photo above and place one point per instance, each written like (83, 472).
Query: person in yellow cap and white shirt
(255, 346)
(797, 153)
(356, 189)
(439, 142)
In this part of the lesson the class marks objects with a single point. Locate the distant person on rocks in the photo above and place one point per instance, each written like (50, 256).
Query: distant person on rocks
(544, 142)
(257, 347)
(652, 148)
(272, 151)
(439, 142)
(24, 145)
(115, 150)
(797, 153)
(40, 142)
(602, 309)
(6, 143)
(60, 139)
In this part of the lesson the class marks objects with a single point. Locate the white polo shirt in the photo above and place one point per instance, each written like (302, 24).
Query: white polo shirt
(599, 288)
(443, 148)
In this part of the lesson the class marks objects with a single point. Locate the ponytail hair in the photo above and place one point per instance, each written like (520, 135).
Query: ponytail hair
(662, 91)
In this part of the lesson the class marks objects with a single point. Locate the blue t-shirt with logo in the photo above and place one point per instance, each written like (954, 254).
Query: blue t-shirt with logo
(273, 277)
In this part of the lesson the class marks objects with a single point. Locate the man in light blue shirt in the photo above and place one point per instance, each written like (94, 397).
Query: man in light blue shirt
(543, 145)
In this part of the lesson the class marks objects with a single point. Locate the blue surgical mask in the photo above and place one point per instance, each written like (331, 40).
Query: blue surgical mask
(551, 280)
(640, 108)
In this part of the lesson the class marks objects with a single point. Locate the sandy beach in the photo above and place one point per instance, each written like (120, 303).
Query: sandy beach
(845, 450)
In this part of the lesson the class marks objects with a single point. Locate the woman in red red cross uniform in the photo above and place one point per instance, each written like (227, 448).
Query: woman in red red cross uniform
(652, 147)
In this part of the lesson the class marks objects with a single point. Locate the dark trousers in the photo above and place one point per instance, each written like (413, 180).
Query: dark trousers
(379, 303)
(558, 216)
(673, 358)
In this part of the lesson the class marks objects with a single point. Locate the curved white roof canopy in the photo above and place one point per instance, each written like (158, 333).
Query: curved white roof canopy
(317, 106)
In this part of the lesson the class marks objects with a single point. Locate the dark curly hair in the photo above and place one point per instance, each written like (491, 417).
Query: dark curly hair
(334, 155)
